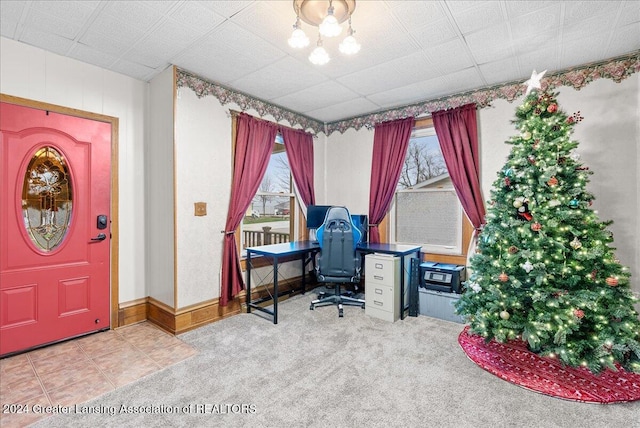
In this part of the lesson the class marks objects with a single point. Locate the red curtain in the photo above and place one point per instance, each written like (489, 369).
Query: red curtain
(254, 143)
(390, 142)
(457, 131)
(299, 148)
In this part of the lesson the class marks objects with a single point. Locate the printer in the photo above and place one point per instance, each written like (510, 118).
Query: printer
(442, 277)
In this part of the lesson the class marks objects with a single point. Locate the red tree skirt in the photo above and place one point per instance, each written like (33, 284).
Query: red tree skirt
(514, 363)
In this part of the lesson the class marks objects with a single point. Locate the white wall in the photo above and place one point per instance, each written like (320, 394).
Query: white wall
(203, 174)
(347, 170)
(159, 191)
(33, 73)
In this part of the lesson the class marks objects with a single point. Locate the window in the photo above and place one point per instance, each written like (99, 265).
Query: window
(269, 218)
(426, 210)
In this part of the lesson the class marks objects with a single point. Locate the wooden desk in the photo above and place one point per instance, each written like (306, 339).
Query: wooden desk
(306, 249)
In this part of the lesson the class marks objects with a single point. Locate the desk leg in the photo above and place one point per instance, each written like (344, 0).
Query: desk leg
(304, 273)
(401, 287)
(248, 296)
(275, 290)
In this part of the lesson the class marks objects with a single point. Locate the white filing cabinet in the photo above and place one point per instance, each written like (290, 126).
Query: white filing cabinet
(382, 286)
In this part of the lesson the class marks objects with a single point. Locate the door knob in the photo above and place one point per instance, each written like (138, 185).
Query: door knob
(100, 237)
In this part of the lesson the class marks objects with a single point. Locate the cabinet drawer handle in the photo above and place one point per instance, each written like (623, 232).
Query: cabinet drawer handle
(375, 302)
(378, 291)
(378, 265)
(379, 278)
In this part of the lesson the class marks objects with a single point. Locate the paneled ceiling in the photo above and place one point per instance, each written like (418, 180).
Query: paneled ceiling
(412, 51)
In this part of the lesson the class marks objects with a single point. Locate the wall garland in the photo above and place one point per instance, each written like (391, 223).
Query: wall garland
(616, 69)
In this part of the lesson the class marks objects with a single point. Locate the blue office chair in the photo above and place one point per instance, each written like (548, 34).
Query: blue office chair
(338, 263)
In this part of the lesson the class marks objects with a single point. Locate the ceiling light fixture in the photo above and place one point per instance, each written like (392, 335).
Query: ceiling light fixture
(328, 17)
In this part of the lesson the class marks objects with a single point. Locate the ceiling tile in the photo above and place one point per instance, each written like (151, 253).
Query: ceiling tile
(323, 95)
(344, 110)
(92, 56)
(446, 62)
(519, 8)
(543, 22)
(226, 8)
(43, 22)
(417, 14)
(546, 58)
(10, 14)
(47, 41)
(136, 13)
(198, 18)
(480, 15)
(490, 44)
(288, 75)
(391, 74)
(500, 71)
(627, 39)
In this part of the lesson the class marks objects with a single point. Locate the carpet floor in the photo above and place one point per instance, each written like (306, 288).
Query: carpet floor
(314, 369)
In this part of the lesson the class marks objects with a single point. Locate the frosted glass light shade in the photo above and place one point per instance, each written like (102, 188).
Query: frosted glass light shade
(298, 39)
(319, 56)
(349, 45)
(330, 26)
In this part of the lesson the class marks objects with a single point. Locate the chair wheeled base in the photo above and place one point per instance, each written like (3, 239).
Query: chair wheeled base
(337, 299)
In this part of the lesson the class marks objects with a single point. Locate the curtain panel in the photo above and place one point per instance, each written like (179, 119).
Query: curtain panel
(457, 132)
(390, 143)
(299, 148)
(255, 139)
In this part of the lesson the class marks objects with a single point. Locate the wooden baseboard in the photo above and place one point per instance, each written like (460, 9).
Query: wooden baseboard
(132, 312)
(190, 317)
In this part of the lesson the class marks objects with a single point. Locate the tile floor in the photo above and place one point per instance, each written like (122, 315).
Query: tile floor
(78, 370)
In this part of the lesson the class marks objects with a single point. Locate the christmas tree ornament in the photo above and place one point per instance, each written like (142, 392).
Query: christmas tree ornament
(611, 281)
(573, 203)
(531, 159)
(553, 203)
(505, 315)
(579, 313)
(527, 266)
(552, 108)
(536, 226)
(526, 135)
(513, 249)
(503, 277)
(535, 82)
(517, 203)
(575, 244)
(594, 274)
(552, 181)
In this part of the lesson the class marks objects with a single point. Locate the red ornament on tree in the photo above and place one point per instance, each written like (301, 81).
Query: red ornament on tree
(503, 277)
(579, 313)
(552, 181)
(552, 108)
(536, 226)
(611, 281)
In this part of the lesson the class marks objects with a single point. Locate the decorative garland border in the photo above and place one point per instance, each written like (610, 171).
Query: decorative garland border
(202, 88)
(616, 69)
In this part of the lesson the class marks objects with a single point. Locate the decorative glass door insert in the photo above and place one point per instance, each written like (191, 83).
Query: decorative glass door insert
(47, 199)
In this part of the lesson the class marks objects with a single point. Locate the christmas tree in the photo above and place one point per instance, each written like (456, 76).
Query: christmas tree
(545, 271)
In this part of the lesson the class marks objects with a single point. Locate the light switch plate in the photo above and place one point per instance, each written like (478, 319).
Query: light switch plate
(200, 208)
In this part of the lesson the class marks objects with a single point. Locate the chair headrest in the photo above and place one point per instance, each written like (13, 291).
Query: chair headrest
(337, 213)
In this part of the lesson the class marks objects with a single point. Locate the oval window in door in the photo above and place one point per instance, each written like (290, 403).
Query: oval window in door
(47, 199)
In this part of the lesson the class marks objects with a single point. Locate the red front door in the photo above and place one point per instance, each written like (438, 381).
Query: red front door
(54, 226)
